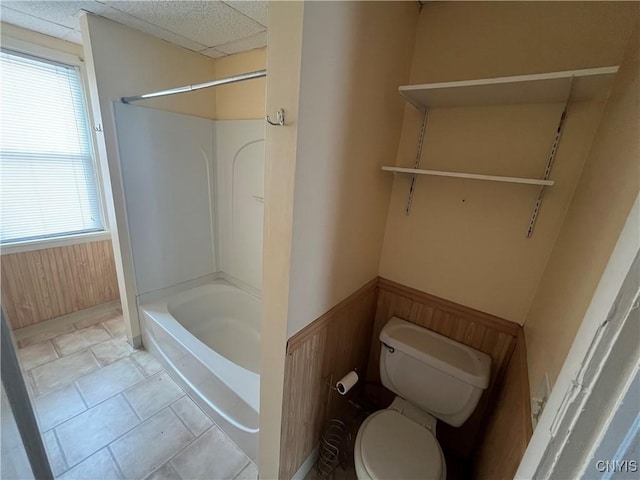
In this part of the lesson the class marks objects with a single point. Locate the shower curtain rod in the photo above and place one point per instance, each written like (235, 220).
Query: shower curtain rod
(198, 86)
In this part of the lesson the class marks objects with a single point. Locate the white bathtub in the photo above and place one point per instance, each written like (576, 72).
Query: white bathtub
(208, 338)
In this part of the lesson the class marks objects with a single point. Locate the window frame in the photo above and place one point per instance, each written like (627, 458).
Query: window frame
(47, 54)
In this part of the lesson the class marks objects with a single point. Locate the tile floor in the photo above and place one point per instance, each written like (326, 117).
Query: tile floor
(107, 411)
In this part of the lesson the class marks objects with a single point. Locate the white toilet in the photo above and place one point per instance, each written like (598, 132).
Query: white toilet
(432, 376)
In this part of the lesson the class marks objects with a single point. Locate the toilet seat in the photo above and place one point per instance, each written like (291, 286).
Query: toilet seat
(391, 446)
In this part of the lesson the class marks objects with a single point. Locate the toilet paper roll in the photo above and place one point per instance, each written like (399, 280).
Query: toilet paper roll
(347, 382)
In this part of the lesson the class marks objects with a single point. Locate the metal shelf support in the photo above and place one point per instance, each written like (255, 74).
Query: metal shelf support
(416, 163)
(550, 160)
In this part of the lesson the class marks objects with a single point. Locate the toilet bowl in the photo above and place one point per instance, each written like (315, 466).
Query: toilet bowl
(390, 445)
(434, 377)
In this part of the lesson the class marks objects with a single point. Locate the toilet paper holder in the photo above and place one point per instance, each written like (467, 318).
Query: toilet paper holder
(346, 383)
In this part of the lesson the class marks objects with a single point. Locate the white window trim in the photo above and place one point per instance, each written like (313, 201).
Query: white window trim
(46, 53)
(53, 242)
(41, 51)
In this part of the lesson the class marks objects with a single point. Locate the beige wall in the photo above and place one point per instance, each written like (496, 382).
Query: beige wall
(466, 240)
(323, 241)
(608, 186)
(354, 56)
(129, 62)
(283, 86)
(121, 61)
(36, 38)
(244, 100)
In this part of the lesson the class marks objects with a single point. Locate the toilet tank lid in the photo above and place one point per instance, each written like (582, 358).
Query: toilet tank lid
(449, 356)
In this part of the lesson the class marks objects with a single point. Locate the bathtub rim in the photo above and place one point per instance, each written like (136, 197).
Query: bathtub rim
(219, 277)
(183, 378)
(246, 385)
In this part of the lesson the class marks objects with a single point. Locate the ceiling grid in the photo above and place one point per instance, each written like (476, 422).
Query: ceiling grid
(213, 28)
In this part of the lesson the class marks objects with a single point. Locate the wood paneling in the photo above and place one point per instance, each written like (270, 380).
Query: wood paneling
(43, 284)
(346, 337)
(508, 429)
(487, 333)
(317, 357)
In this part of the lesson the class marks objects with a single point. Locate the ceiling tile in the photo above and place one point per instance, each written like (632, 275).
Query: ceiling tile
(248, 43)
(213, 53)
(196, 25)
(255, 9)
(61, 13)
(208, 23)
(30, 22)
(146, 27)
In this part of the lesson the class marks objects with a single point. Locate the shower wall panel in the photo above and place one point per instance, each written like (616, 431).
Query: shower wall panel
(240, 198)
(167, 162)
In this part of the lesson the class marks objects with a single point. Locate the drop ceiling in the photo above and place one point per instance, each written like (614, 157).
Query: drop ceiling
(213, 28)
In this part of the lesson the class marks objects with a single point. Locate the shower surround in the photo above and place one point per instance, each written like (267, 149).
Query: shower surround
(194, 200)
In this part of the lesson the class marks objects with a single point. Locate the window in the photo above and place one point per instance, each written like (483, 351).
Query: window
(48, 186)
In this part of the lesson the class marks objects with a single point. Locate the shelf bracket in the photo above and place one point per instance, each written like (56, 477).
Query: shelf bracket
(550, 160)
(416, 163)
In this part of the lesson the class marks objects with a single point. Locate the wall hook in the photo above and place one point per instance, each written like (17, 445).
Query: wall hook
(279, 118)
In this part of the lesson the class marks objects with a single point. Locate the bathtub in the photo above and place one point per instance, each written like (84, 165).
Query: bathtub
(208, 339)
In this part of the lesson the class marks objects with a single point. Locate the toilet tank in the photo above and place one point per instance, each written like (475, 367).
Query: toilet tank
(433, 372)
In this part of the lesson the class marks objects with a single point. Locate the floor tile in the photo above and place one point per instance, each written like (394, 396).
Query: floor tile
(153, 394)
(147, 362)
(166, 472)
(58, 406)
(52, 375)
(46, 332)
(30, 384)
(108, 381)
(112, 350)
(250, 472)
(97, 427)
(212, 455)
(100, 370)
(151, 444)
(115, 326)
(36, 354)
(191, 416)
(80, 339)
(97, 318)
(56, 458)
(99, 466)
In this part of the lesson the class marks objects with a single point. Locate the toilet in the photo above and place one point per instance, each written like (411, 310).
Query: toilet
(434, 378)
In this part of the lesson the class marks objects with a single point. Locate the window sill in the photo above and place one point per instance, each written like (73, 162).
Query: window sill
(65, 241)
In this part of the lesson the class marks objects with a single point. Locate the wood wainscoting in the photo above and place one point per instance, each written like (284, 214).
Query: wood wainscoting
(346, 337)
(489, 334)
(42, 284)
(317, 357)
(509, 428)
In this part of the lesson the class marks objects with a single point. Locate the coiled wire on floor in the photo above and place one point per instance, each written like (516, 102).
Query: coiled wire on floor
(334, 448)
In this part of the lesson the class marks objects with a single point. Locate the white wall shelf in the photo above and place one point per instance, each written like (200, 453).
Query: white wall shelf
(588, 85)
(474, 176)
